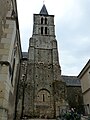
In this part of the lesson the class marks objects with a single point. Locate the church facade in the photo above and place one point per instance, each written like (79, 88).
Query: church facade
(43, 76)
(42, 91)
(31, 84)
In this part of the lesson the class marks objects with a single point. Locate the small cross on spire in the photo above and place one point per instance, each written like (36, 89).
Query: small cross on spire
(43, 2)
(43, 11)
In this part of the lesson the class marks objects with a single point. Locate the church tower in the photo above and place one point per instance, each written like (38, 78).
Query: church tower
(43, 69)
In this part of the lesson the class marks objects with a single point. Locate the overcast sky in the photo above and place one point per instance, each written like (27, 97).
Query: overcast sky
(72, 25)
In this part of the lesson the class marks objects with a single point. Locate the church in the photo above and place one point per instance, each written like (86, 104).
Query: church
(44, 91)
(31, 83)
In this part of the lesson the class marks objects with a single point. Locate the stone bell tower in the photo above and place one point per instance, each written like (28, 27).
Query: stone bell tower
(43, 68)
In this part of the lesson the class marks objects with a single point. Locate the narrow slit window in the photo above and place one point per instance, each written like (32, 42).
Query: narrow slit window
(42, 20)
(42, 30)
(45, 20)
(43, 98)
(13, 67)
(46, 30)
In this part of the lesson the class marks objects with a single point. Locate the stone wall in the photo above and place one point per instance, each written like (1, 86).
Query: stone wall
(74, 97)
(10, 54)
(21, 89)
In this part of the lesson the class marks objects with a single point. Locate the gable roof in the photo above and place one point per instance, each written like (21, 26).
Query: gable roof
(44, 10)
(71, 80)
(83, 71)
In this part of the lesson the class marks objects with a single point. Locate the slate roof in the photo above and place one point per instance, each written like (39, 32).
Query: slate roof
(25, 54)
(71, 80)
(44, 10)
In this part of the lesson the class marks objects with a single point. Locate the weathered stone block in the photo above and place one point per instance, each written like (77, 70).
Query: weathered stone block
(9, 35)
(7, 46)
(8, 30)
(1, 45)
(6, 40)
(5, 69)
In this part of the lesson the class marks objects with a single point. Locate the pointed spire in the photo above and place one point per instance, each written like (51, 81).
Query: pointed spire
(44, 10)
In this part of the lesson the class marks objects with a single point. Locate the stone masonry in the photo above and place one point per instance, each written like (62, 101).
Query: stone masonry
(31, 85)
(43, 73)
(10, 53)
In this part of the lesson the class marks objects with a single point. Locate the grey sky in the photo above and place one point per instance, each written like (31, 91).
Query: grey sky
(72, 22)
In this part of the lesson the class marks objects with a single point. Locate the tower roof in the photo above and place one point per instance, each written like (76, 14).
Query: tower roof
(43, 10)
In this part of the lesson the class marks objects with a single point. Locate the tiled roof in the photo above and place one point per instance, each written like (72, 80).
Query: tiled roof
(71, 80)
(44, 10)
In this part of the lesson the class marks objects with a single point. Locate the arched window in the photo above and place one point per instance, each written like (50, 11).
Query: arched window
(43, 96)
(42, 30)
(42, 20)
(46, 30)
(45, 20)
